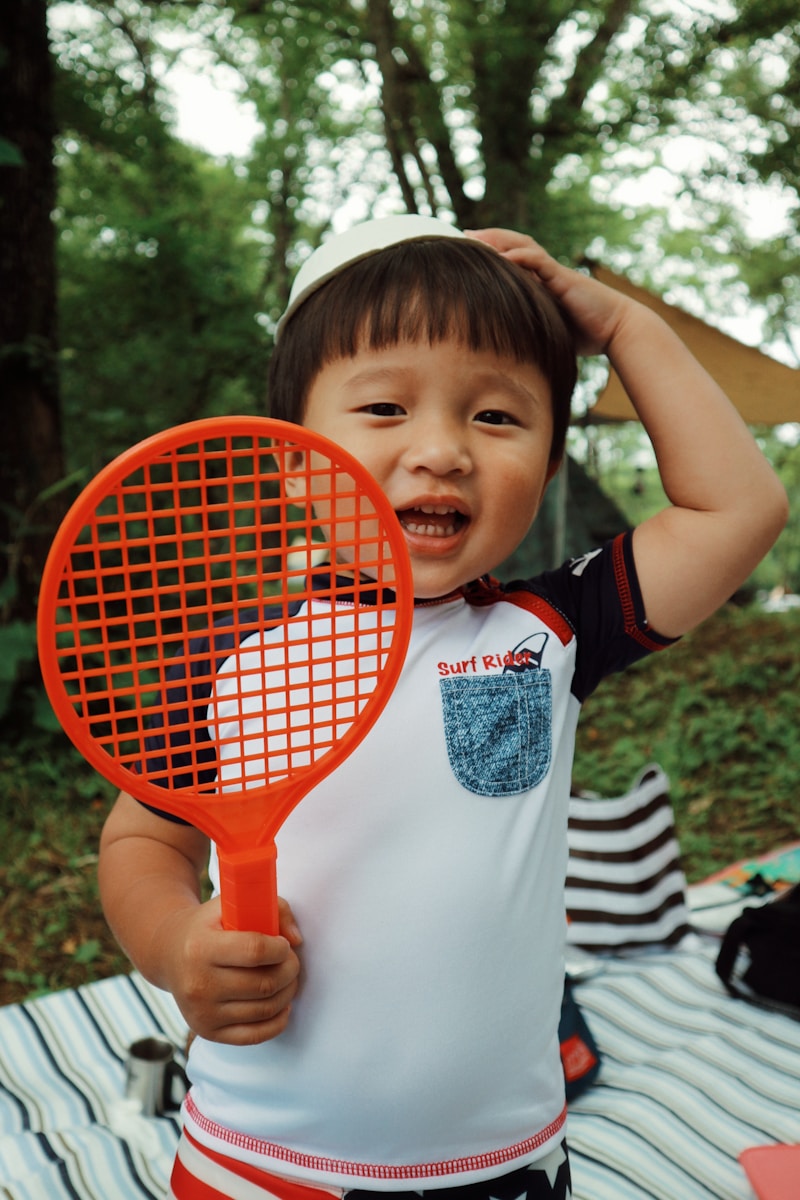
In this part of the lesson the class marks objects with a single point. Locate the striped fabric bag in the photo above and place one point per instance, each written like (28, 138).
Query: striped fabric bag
(625, 887)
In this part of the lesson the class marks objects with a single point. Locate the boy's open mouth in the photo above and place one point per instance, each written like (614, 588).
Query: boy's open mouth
(432, 520)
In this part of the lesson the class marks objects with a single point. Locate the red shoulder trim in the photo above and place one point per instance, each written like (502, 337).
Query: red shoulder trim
(632, 627)
(488, 591)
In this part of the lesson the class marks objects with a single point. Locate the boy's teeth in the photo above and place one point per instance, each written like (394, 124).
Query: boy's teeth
(430, 528)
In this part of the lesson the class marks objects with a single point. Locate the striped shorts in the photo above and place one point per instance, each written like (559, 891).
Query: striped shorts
(202, 1174)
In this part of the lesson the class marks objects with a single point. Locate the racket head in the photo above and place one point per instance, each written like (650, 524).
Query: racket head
(202, 550)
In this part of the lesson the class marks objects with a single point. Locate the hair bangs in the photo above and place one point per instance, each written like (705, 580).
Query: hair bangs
(434, 292)
(426, 290)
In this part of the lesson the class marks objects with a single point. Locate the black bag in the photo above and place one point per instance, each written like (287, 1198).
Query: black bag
(580, 1056)
(759, 959)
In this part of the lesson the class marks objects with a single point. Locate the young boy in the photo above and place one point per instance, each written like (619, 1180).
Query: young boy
(416, 1047)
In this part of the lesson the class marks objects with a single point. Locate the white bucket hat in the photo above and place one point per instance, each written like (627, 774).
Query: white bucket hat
(357, 243)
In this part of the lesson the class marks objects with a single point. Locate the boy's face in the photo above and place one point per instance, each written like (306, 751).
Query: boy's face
(459, 440)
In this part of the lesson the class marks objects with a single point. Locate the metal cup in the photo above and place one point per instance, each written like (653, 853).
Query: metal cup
(151, 1073)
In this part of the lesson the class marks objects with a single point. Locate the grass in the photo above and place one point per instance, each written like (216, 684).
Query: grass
(719, 712)
(52, 932)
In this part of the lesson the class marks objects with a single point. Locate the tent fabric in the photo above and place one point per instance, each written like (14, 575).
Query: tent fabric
(690, 1078)
(765, 391)
(589, 519)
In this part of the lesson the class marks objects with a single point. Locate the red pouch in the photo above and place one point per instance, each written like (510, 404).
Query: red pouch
(773, 1171)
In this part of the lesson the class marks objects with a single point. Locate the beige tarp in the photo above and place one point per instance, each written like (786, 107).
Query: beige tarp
(764, 391)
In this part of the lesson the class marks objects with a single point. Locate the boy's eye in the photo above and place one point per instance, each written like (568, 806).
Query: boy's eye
(383, 409)
(493, 416)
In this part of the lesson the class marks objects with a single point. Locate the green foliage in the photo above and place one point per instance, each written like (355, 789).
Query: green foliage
(159, 300)
(52, 807)
(161, 266)
(719, 712)
(500, 112)
(620, 459)
(17, 649)
(10, 155)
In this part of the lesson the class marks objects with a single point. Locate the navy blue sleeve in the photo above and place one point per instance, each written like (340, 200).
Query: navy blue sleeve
(192, 759)
(598, 595)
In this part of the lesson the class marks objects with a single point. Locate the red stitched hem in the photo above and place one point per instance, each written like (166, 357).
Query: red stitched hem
(360, 1170)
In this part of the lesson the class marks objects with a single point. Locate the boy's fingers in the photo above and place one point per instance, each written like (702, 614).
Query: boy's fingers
(288, 925)
(521, 249)
(289, 929)
(250, 951)
(222, 947)
(257, 984)
(503, 239)
(227, 997)
(252, 1033)
(256, 1003)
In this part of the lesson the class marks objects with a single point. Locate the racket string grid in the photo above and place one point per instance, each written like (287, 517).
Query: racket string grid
(224, 614)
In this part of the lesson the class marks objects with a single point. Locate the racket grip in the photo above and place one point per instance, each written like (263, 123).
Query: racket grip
(249, 889)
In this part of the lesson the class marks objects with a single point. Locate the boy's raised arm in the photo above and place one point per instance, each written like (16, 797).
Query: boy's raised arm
(727, 506)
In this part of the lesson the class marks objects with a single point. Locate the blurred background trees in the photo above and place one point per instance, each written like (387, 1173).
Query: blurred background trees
(660, 138)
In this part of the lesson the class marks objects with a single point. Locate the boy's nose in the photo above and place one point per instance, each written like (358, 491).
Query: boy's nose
(440, 448)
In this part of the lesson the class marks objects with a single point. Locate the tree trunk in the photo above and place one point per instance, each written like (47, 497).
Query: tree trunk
(31, 458)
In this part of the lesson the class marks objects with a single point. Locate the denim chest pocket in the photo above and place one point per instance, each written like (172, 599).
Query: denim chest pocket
(498, 730)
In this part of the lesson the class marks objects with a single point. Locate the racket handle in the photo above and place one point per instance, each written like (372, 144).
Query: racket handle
(249, 889)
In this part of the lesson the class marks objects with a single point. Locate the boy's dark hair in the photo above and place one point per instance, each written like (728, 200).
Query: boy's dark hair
(430, 290)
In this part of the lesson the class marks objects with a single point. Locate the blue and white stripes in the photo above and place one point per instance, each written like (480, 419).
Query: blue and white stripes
(690, 1078)
(65, 1128)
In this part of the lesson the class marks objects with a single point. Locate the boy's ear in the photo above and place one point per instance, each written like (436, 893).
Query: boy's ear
(295, 482)
(552, 469)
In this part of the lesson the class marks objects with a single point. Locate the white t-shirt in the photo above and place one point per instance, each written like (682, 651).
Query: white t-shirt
(427, 878)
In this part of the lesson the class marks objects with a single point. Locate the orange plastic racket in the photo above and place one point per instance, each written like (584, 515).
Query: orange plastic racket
(223, 615)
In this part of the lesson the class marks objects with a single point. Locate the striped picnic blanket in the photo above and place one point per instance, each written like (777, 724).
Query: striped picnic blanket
(65, 1127)
(690, 1077)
